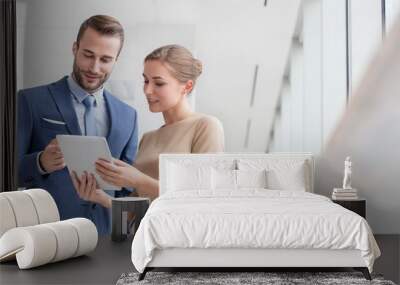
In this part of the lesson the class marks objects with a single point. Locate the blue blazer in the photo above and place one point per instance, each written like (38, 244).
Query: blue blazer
(54, 102)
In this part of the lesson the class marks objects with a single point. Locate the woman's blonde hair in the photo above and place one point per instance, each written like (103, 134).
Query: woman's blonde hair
(179, 61)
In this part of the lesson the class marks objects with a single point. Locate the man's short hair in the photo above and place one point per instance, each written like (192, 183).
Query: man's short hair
(104, 25)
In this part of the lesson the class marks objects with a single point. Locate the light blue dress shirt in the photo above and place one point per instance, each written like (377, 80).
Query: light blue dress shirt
(102, 117)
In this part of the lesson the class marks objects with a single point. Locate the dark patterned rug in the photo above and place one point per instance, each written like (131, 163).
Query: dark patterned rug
(270, 278)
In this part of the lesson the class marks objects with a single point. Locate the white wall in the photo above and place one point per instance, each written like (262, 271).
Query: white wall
(286, 118)
(312, 43)
(297, 97)
(272, 56)
(301, 116)
(392, 9)
(322, 30)
(365, 36)
(334, 90)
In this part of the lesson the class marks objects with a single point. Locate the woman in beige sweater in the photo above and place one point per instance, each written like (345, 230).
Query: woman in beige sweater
(170, 73)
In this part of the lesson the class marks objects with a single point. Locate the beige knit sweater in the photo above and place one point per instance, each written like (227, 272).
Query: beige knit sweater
(198, 133)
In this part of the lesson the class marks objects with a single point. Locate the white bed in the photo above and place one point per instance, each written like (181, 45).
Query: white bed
(201, 220)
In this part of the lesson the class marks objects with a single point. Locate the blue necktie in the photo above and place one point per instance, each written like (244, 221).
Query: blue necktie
(90, 125)
(90, 117)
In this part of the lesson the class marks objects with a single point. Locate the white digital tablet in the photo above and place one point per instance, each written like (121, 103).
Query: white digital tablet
(81, 152)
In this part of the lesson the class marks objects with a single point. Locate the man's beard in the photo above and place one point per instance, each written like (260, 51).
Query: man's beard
(78, 78)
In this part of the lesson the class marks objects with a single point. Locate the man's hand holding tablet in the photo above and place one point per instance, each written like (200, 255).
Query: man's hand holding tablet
(80, 154)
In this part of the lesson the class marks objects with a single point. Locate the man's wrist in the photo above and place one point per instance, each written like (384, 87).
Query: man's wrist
(42, 170)
(105, 201)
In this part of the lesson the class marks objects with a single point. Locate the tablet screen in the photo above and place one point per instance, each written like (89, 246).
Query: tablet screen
(81, 152)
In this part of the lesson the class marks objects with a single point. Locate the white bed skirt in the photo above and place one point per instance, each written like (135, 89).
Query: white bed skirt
(193, 257)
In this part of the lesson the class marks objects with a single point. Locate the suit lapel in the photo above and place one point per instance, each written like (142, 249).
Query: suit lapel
(114, 120)
(63, 99)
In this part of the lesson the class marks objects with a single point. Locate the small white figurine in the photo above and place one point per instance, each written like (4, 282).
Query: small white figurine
(347, 174)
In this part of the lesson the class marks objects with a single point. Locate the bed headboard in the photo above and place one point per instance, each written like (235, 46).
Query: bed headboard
(234, 159)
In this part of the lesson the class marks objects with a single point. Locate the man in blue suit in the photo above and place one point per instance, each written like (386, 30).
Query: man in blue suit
(77, 104)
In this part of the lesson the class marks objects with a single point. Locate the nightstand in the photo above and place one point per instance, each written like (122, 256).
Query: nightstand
(358, 206)
(121, 228)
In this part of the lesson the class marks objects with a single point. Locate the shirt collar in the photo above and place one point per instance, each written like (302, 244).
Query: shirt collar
(80, 94)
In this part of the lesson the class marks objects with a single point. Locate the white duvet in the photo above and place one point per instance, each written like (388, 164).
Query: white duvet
(250, 218)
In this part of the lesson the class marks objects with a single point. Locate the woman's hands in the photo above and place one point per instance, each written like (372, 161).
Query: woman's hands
(123, 174)
(119, 173)
(87, 189)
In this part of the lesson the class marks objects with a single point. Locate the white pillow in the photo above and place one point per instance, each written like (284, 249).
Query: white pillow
(236, 179)
(287, 179)
(282, 174)
(188, 177)
(251, 178)
(223, 179)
